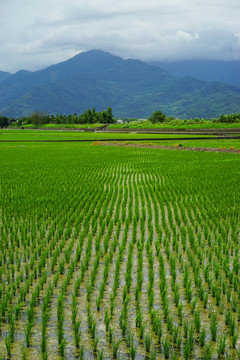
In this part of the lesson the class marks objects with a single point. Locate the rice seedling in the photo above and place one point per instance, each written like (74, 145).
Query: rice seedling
(213, 327)
(115, 347)
(234, 340)
(221, 345)
(147, 342)
(208, 351)
(166, 348)
(133, 351)
(197, 320)
(202, 337)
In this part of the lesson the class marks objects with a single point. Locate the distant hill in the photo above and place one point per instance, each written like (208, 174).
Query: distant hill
(208, 70)
(4, 75)
(131, 87)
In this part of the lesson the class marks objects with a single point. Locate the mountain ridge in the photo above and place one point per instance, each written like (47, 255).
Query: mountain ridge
(227, 72)
(131, 87)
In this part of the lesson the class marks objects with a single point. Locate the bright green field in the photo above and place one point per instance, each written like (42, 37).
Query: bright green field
(21, 135)
(177, 124)
(114, 252)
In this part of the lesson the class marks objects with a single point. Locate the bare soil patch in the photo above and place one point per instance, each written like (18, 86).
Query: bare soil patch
(188, 148)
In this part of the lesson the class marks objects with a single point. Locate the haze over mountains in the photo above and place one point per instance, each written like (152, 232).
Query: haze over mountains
(131, 87)
(207, 70)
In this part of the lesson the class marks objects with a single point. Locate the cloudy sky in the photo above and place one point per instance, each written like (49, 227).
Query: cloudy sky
(38, 33)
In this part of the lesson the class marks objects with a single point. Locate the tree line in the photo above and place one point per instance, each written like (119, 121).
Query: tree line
(91, 116)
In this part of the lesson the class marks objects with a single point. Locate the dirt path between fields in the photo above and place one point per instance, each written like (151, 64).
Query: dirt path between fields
(188, 148)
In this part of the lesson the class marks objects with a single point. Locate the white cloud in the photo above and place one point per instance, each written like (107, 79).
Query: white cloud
(37, 33)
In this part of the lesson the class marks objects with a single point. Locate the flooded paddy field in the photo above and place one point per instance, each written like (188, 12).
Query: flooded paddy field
(118, 253)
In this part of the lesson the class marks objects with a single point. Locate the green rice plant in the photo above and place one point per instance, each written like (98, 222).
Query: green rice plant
(197, 320)
(228, 293)
(228, 316)
(234, 340)
(150, 300)
(186, 350)
(8, 345)
(92, 328)
(62, 266)
(95, 342)
(28, 333)
(189, 291)
(180, 313)
(176, 294)
(179, 341)
(238, 312)
(153, 354)
(98, 302)
(221, 345)
(166, 348)
(12, 328)
(218, 296)
(115, 348)
(193, 305)
(202, 337)
(81, 352)
(191, 336)
(170, 324)
(213, 327)
(107, 319)
(176, 331)
(133, 351)
(62, 347)
(186, 328)
(234, 303)
(147, 342)
(43, 343)
(142, 330)
(208, 351)
(74, 313)
(77, 333)
(232, 325)
(100, 355)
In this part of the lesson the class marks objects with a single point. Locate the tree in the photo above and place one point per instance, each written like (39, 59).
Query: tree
(106, 116)
(3, 121)
(157, 116)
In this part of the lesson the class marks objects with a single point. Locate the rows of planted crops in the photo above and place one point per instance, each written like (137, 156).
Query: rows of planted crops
(118, 253)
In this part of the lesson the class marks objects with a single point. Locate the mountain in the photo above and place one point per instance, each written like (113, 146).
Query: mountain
(208, 70)
(131, 87)
(4, 75)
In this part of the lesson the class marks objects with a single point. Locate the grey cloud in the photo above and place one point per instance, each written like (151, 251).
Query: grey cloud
(38, 33)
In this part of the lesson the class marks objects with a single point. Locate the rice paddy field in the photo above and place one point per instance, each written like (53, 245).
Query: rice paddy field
(118, 253)
(64, 135)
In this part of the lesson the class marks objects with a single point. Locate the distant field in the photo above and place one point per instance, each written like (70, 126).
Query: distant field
(176, 125)
(35, 135)
(117, 253)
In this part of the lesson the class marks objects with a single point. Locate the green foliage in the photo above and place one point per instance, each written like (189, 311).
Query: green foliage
(90, 116)
(157, 117)
(3, 121)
